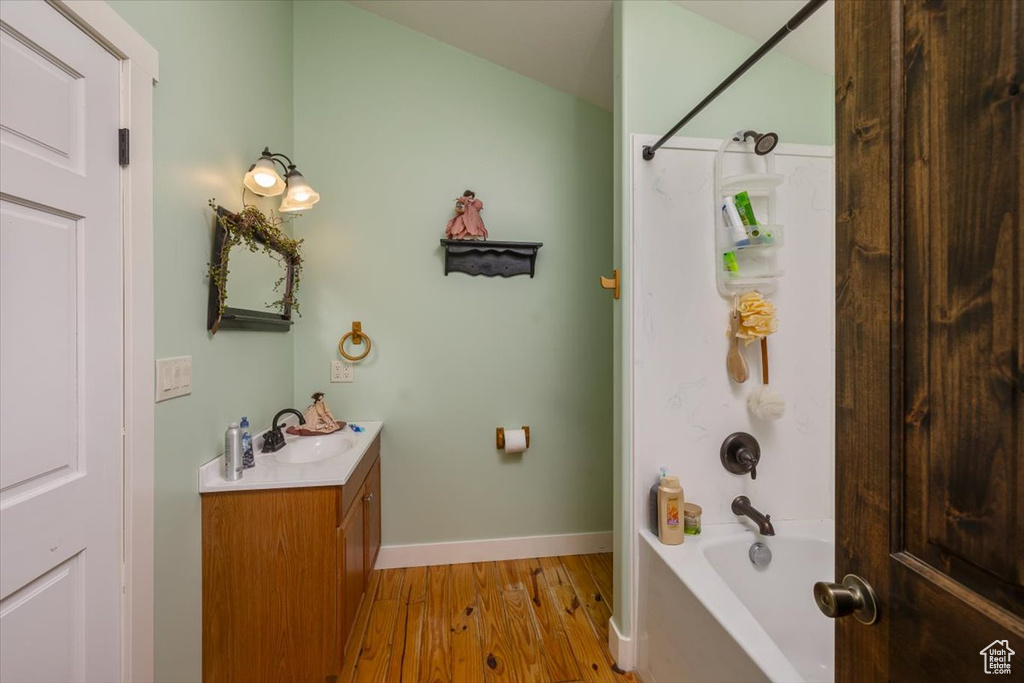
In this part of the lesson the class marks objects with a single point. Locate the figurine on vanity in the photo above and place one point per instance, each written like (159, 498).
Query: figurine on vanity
(319, 419)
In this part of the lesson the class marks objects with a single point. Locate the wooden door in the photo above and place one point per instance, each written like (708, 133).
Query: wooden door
(60, 350)
(930, 357)
(371, 517)
(351, 566)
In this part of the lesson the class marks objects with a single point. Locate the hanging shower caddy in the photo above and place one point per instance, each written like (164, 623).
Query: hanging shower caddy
(756, 265)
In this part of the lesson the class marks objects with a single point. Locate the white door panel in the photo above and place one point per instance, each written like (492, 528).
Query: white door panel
(60, 351)
(44, 108)
(40, 619)
(43, 243)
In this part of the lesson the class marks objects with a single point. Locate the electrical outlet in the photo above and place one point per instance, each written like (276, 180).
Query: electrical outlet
(342, 371)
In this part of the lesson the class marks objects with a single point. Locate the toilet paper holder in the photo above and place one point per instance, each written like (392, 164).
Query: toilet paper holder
(499, 437)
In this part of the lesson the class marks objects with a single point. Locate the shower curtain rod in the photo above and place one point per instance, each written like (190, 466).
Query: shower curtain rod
(790, 26)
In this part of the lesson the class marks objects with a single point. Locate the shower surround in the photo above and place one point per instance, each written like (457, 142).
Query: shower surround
(684, 404)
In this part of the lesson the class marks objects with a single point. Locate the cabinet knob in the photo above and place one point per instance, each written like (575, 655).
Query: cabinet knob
(368, 498)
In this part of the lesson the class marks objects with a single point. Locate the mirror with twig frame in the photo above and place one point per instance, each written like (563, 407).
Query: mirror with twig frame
(254, 272)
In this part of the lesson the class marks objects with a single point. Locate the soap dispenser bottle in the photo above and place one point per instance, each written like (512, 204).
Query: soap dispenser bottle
(670, 511)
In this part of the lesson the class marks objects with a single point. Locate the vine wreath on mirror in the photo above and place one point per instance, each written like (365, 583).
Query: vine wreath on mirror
(254, 230)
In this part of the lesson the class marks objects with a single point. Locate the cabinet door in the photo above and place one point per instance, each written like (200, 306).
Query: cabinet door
(371, 519)
(352, 567)
(269, 585)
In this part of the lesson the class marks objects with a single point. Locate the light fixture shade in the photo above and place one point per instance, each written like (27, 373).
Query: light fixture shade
(263, 179)
(299, 196)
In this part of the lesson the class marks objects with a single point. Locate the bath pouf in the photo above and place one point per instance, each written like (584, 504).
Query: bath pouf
(757, 321)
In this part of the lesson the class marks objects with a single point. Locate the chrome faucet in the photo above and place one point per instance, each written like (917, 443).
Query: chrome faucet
(741, 506)
(273, 441)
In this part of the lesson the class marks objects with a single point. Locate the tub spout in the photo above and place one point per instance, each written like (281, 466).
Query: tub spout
(741, 506)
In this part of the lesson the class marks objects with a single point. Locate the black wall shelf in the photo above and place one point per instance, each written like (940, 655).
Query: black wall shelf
(490, 258)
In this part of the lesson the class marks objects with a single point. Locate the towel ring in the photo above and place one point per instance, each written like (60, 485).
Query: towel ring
(357, 338)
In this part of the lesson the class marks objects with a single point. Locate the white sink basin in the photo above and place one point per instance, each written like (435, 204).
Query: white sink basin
(309, 449)
(327, 460)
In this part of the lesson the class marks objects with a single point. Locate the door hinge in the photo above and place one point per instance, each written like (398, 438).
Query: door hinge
(122, 146)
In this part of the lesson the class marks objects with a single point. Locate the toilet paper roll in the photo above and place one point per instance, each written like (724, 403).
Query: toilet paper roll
(515, 440)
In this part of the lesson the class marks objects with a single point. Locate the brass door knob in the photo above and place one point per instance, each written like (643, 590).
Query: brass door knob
(611, 283)
(854, 596)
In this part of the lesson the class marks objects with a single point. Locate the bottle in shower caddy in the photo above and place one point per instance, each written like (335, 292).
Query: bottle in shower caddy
(734, 222)
(233, 453)
(248, 461)
(670, 511)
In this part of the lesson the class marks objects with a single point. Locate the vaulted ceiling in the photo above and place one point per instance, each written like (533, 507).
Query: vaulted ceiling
(567, 44)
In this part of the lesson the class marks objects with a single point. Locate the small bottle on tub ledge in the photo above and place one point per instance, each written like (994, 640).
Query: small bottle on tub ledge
(691, 519)
(670, 511)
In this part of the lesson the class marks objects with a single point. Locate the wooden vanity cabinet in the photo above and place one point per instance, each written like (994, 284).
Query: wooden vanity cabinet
(358, 545)
(371, 519)
(284, 572)
(351, 567)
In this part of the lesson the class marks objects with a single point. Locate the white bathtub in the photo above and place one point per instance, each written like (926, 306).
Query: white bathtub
(708, 614)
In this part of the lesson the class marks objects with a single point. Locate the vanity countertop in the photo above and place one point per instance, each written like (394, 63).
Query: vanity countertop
(272, 470)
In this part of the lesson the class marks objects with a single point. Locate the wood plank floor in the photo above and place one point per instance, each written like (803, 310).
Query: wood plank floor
(543, 620)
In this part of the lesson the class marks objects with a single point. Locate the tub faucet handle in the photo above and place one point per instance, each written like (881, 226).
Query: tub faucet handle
(741, 453)
(747, 458)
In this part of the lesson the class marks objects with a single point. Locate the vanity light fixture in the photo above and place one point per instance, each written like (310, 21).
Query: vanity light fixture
(300, 195)
(263, 179)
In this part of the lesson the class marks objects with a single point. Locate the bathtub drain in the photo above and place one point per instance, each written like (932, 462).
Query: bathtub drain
(760, 554)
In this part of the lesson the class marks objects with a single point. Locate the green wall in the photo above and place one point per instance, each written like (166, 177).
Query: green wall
(214, 110)
(672, 58)
(391, 126)
(667, 59)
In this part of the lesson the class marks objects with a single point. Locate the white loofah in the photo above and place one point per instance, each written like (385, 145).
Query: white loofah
(765, 403)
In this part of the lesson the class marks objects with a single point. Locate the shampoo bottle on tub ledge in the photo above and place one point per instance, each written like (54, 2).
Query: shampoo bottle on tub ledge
(654, 524)
(670, 511)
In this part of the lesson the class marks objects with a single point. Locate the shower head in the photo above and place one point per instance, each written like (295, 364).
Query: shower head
(764, 143)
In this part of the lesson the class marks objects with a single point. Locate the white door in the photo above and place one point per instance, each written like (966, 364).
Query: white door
(60, 351)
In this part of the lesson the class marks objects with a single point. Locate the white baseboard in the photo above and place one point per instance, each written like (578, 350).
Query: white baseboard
(622, 648)
(427, 554)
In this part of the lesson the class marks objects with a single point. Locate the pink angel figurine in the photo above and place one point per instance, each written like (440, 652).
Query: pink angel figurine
(467, 224)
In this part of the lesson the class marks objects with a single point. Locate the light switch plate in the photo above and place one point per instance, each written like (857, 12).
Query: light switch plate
(342, 371)
(173, 377)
